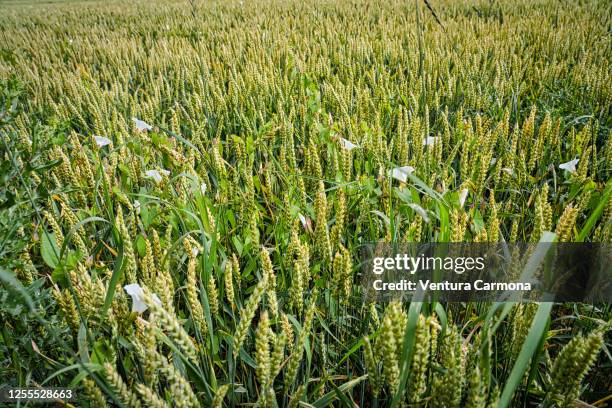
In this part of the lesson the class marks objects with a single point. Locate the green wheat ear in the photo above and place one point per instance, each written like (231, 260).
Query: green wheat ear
(228, 280)
(447, 387)
(128, 248)
(371, 364)
(171, 325)
(322, 241)
(571, 366)
(296, 356)
(179, 388)
(150, 397)
(94, 394)
(213, 297)
(219, 396)
(192, 286)
(247, 313)
(387, 347)
(263, 336)
(420, 361)
(120, 387)
(294, 401)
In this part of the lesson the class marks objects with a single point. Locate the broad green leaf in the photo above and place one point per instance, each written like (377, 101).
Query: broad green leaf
(49, 250)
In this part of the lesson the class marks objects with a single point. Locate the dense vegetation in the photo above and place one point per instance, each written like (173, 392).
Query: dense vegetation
(226, 161)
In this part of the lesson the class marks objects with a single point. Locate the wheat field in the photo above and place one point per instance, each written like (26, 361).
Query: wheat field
(185, 187)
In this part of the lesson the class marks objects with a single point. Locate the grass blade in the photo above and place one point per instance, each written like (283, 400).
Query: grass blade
(529, 349)
(332, 395)
(408, 350)
(596, 214)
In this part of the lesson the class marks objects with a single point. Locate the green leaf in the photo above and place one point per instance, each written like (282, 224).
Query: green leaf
(114, 280)
(82, 343)
(89, 366)
(237, 244)
(181, 139)
(529, 349)
(341, 396)
(352, 350)
(596, 214)
(244, 356)
(10, 280)
(332, 395)
(445, 227)
(49, 250)
(141, 245)
(442, 317)
(102, 352)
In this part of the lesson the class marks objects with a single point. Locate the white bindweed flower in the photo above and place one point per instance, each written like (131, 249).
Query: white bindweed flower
(347, 144)
(154, 174)
(102, 141)
(137, 206)
(462, 196)
(430, 140)
(203, 188)
(157, 174)
(419, 210)
(569, 166)
(508, 170)
(137, 294)
(401, 173)
(141, 125)
(493, 161)
(303, 220)
(195, 251)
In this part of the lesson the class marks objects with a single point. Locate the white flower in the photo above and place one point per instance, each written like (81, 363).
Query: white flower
(493, 161)
(430, 140)
(347, 144)
(141, 125)
(102, 141)
(203, 188)
(401, 173)
(137, 206)
(157, 175)
(419, 210)
(303, 220)
(195, 251)
(137, 294)
(569, 166)
(462, 196)
(508, 170)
